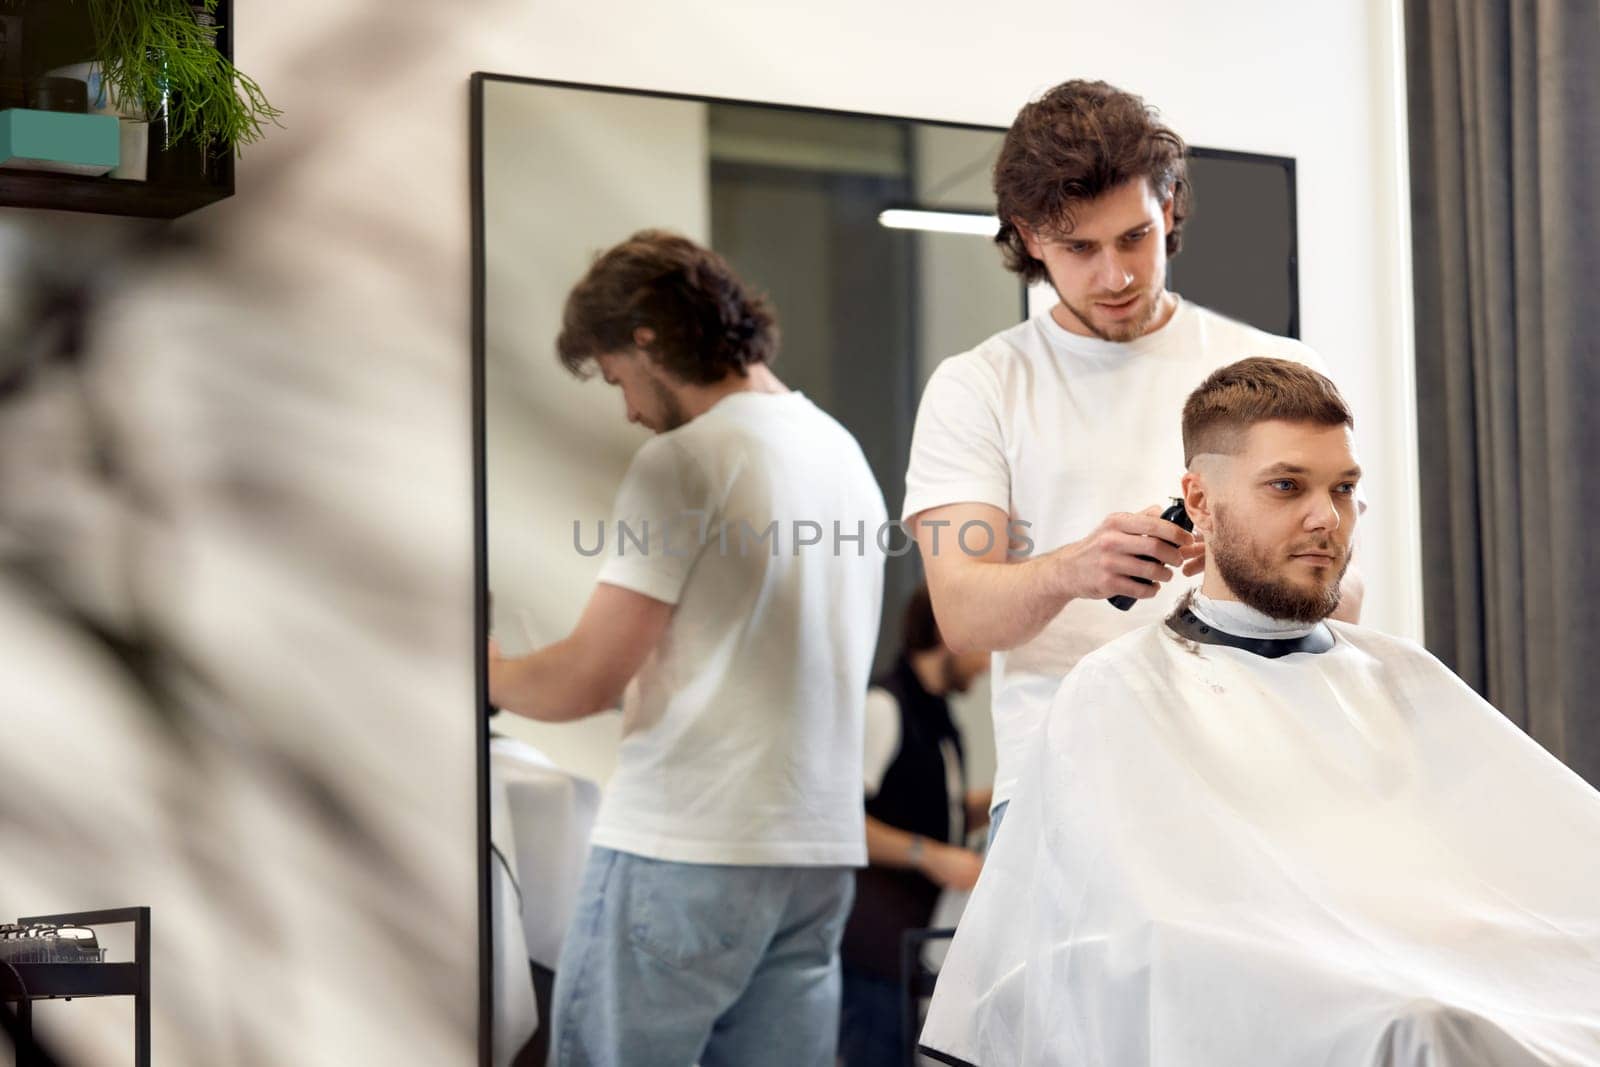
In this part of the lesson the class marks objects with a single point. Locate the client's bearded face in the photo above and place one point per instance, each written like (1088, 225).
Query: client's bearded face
(1264, 576)
(1282, 535)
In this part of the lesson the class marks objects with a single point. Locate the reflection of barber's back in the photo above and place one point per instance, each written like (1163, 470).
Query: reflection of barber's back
(792, 550)
(743, 732)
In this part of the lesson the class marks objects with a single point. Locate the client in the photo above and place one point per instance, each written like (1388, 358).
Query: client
(1252, 835)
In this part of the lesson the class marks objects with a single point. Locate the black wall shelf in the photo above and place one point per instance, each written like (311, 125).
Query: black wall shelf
(109, 196)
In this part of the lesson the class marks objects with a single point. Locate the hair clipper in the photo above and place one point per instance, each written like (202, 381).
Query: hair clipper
(1175, 514)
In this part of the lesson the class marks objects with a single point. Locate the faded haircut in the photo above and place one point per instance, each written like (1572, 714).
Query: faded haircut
(1219, 414)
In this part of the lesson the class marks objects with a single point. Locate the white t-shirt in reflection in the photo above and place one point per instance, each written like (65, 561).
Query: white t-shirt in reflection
(1059, 431)
(742, 733)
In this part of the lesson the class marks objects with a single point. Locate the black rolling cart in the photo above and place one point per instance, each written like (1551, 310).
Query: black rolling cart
(45, 967)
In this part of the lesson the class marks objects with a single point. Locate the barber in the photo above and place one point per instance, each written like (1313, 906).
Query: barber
(1035, 452)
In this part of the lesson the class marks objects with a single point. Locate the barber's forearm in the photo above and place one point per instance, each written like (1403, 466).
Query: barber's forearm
(1352, 592)
(989, 607)
(552, 685)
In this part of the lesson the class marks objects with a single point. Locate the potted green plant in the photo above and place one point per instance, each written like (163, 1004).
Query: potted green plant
(163, 54)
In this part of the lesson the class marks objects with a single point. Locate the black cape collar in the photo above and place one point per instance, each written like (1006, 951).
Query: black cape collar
(1186, 624)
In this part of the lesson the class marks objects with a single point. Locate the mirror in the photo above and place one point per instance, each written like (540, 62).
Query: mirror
(799, 202)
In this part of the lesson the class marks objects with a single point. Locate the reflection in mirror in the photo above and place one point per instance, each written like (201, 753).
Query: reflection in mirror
(792, 200)
(871, 237)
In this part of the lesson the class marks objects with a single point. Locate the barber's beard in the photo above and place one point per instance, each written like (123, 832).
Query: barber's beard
(1249, 573)
(670, 413)
(1120, 332)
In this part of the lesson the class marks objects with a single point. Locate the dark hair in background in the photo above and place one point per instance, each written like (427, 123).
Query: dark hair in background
(1077, 142)
(919, 631)
(706, 321)
(1236, 397)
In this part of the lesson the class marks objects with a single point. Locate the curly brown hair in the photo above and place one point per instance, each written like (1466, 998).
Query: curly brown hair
(1259, 389)
(707, 323)
(1079, 141)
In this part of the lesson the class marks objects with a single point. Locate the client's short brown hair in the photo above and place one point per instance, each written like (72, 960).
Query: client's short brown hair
(706, 321)
(1221, 411)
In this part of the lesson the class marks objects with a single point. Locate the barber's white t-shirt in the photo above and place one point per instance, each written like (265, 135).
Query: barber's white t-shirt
(1058, 431)
(742, 733)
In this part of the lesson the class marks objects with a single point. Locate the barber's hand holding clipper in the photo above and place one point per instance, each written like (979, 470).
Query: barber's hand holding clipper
(1128, 556)
(1178, 516)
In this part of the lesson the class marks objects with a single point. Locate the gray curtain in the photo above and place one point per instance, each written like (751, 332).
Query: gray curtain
(1504, 100)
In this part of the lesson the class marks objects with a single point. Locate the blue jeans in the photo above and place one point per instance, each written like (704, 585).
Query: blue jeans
(673, 964)
(995, 816)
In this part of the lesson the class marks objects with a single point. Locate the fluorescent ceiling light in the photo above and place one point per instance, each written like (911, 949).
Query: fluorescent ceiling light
(971, 222)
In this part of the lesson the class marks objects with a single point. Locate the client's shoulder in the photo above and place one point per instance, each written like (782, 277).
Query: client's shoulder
(1405, 666)
(1131, 656)
(1379, 644)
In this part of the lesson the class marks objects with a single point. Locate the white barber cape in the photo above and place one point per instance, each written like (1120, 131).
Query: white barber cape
(1329, 859)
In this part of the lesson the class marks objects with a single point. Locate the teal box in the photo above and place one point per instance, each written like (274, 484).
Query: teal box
(58, 141)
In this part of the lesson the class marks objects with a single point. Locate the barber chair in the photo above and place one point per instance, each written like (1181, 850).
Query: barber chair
(916, 983)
